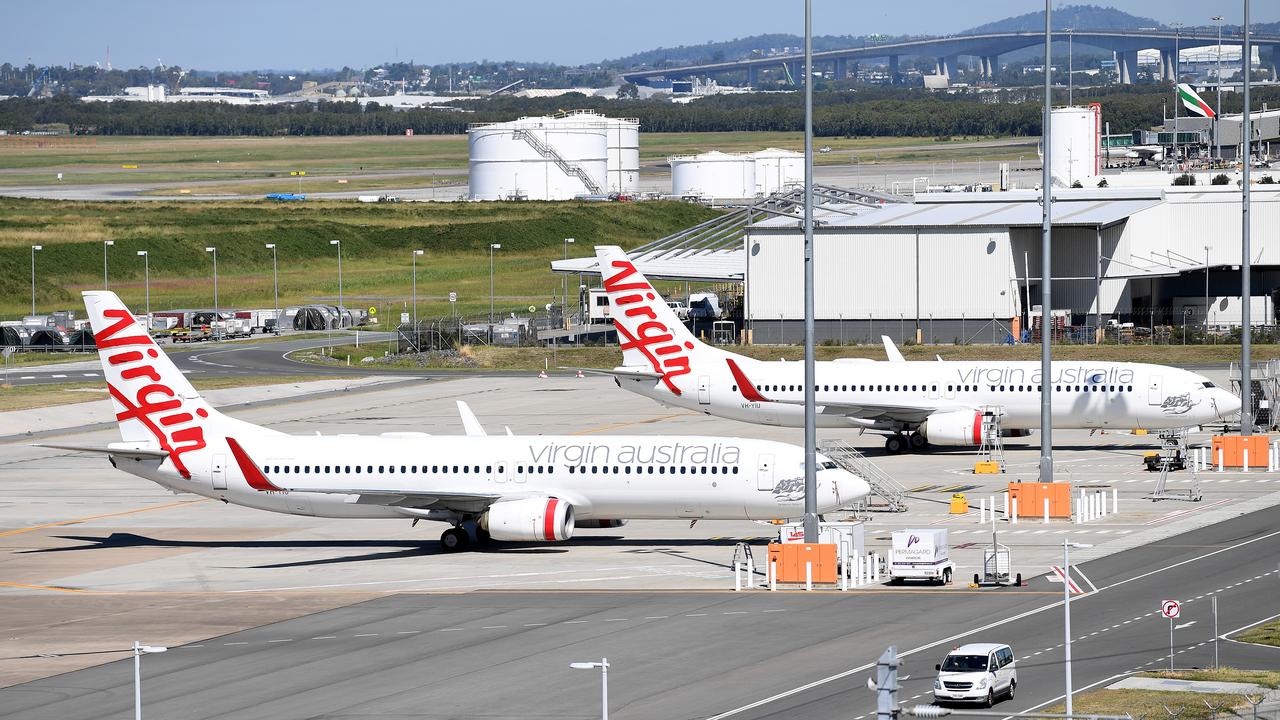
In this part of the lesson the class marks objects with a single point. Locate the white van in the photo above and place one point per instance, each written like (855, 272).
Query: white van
(977, 672)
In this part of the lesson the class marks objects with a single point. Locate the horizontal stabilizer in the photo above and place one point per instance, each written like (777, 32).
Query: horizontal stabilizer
(633, 373)
(891, 350)
(121, 451)
(470, 423)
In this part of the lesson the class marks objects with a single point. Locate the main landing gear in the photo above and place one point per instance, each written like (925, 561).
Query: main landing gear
(898, 443)
(462, 537)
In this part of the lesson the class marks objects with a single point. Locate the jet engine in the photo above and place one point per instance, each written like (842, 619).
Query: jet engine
(958, 427)
(544, 519)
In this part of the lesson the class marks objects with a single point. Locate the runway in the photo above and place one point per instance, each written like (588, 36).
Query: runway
(686, 654)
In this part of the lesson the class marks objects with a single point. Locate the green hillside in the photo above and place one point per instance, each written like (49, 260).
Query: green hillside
(376, 244)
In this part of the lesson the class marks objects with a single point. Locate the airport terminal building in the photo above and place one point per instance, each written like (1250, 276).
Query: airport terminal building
(967, 266)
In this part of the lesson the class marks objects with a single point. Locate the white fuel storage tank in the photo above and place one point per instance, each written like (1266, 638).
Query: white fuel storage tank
(778, 170)
(538, 158)
(1075, 137)
(713, 175)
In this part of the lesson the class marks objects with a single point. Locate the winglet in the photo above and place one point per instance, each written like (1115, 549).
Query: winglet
(252, 473)
(891, 350)
(470, 424)
(745, 386)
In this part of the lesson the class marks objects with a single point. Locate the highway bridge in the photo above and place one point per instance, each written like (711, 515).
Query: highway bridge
(986, 47)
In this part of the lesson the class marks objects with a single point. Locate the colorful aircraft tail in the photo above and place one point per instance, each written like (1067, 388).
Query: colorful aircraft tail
(650, 334)
(156, 407)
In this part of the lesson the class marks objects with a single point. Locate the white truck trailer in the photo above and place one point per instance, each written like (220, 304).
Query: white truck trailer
(920, 554)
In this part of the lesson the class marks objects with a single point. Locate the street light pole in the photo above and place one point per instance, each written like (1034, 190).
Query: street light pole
(1246, 262)
(492, 247)
(34, 249)
(138, 651)
(1070, 65)
(1066, 611)
(217, 313)
(810, 371)
(564, 285)
(1046, 266)
(275, 283)
(1217, 144)
(416, 253)
(1206, 292)
(1177, 102)
(339, 244)
(105, 244)
(604, 682)
(146, 280)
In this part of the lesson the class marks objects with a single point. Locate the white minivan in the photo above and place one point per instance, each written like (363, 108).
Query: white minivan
(977, 672)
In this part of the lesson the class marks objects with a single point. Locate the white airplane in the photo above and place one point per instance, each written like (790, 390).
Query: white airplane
(912, 403)
(528, 489)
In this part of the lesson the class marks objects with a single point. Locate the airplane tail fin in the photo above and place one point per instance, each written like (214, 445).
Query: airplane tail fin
(155, 404)
(649, 332)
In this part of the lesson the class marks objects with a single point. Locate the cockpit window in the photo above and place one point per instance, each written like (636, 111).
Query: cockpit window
(1207, 384)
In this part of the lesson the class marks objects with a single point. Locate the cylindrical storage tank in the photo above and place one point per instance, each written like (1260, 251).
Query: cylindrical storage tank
(1074, 144)
(713, 175)
(624, 155)
(778, 170)
(540, 158)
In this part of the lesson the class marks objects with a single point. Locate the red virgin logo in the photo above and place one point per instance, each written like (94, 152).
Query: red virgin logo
(145, 397)
(652, 338)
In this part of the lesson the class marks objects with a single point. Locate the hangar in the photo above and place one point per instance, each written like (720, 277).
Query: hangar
(966, 266)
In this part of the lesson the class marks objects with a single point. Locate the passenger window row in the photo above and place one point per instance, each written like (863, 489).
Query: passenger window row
(662, 470)
(475, 469)
(950, 388)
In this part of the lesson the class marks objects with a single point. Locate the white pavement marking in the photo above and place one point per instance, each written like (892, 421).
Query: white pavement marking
(57, 376)
(971, 631)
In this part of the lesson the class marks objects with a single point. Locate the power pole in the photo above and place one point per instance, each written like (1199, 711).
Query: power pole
(1046, 267)
(887, 684)
(810, 372)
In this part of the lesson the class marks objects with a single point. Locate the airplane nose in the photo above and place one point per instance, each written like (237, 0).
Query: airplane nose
(1227, 404)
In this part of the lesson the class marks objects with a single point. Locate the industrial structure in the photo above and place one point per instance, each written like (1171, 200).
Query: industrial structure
(985, 47)
(559, 157)
(717, 175)
(1075, 155)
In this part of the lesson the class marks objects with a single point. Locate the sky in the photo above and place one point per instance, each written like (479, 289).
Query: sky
(262, 34)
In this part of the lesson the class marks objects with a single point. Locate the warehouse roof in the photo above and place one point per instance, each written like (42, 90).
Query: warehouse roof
(1092, 208)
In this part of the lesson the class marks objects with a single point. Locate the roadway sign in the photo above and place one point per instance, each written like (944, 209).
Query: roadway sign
(1170, 609)
(404, 318)
(453, 297)
(1057, 574)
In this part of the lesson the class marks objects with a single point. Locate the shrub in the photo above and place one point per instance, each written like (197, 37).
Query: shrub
(1185, 179)
(1221, 179)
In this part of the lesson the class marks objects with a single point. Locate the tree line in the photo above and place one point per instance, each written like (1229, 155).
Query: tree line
(861, 113)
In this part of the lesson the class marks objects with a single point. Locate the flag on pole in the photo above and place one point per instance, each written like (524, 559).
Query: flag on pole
(1193, 102)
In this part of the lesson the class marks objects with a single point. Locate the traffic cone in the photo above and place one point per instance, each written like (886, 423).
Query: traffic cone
(542, 374)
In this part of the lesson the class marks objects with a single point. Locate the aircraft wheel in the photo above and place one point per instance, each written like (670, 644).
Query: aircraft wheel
(895, 444)
(454, 540)
(918, 441)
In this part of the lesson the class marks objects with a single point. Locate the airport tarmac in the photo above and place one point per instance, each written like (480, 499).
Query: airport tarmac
(95, 558)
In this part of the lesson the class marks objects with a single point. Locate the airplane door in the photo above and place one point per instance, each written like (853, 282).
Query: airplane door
(503, 472)
(218, 470)
(1155, 390)
(764, 473)
(521, 473)
(704, 390)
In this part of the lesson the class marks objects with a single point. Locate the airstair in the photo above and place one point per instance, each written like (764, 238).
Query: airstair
(1265, 386)
(991, 449)
(567, 167)
(890, 491)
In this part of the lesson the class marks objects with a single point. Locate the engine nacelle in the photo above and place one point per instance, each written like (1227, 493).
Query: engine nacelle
(958, 427)
(599, 524)
(544, 519)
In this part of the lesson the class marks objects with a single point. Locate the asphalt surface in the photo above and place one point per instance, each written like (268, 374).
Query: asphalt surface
(688, 654)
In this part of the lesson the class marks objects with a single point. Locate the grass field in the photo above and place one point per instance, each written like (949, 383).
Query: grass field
(376, 242)
(25, 397)
(608, 356)
(1267, 634)
(1182, 705)
(326, 159)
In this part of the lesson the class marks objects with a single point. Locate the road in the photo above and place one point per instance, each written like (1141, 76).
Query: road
(691, 655)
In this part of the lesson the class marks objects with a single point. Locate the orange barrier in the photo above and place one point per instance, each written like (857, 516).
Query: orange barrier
(790, 560)
(1233, 447)
(1031, 497)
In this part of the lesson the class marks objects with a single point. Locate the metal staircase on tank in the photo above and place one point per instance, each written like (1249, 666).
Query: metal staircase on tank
(550, 153)
(884, 487)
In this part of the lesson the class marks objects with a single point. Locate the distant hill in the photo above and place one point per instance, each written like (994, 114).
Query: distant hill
(1090, 17)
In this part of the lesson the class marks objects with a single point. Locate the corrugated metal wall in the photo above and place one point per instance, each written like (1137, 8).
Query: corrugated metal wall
(962, 274)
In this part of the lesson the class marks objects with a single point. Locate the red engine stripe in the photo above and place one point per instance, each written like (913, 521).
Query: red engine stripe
(549, 520)
(977, 428)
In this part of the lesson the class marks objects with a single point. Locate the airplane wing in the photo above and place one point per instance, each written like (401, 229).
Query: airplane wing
(864, 411)
(136, 453)
(630, 373)
(416, 499)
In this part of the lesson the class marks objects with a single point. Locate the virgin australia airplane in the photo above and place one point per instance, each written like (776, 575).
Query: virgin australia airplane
(912, 403)
(530, 489)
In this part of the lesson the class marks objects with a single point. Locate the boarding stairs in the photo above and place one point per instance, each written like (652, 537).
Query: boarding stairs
(890, 491)
(991, 449)
(1174, 446)
(1264, 384)
(567, 167)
